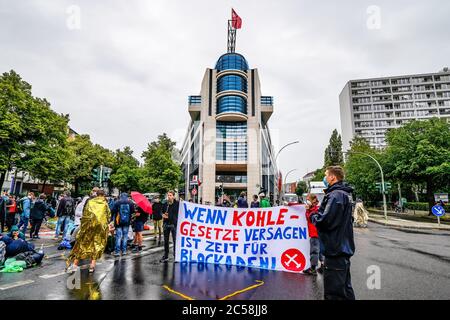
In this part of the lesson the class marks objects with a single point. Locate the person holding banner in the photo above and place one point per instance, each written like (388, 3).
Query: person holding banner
(312, 206)
(334, 221)
(170, 219)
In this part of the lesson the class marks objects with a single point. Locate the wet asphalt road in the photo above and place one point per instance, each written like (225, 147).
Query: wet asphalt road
(413, 265)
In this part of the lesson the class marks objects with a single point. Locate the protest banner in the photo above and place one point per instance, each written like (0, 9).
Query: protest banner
(268, 238)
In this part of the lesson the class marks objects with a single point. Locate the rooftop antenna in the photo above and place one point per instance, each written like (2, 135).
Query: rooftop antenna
(233, 24)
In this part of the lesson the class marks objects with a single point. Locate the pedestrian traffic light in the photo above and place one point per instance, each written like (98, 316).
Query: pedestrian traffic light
(106, 173)
(95, 174)
(378, 186)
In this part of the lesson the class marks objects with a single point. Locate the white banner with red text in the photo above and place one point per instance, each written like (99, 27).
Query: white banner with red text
(268, 238)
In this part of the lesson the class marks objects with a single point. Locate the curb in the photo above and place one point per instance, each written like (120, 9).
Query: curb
(395, 226)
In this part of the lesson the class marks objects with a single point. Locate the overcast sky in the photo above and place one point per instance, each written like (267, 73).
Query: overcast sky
(125, 71)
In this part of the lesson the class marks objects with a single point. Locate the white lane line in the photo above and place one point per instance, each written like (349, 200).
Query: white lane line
(15, 284)
(48, 276)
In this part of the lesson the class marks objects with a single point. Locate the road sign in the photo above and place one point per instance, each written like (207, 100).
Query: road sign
(438, 211)
(441, 197)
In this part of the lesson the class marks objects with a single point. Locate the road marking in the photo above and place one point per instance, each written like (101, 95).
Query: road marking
(178, 293)
(48, 276)
(16, 284)
(260, 283)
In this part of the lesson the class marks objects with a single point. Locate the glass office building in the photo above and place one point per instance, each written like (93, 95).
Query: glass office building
(228, 144)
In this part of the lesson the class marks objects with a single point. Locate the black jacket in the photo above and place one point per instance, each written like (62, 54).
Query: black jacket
(39, 209)
(334, 221)
(172, 209)
(157, 211)
(143, 216)
(66, 207)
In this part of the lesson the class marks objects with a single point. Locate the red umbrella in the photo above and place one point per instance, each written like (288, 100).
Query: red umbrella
(142, 201)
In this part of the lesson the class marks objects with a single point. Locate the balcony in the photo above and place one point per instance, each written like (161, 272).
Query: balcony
(266, 108)
(194, 106)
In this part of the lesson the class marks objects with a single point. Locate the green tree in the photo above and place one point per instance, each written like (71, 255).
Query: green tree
(361, 171)
(19, 121)
(84, 156)
(127, 173)
(32, 136)
(302, 188)
(318, 174)
(420, 152)
(333, 153)
(160, 173)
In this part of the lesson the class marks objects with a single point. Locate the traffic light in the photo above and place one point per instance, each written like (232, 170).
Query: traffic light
(378, 186)
(106, 173)
(387, 186)
(95, 174)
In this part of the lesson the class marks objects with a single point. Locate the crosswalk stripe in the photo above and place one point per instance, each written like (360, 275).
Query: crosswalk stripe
(15, 284)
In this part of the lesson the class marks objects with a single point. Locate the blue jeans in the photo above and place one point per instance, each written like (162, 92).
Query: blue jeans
(23, 222)
(61, 220)
(70, 227)
(121, 238)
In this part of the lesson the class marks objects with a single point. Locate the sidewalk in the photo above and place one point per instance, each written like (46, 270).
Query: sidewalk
(407, 224)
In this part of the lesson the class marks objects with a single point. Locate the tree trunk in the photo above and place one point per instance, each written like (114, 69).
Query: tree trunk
(76, 185)
(2, 179)
(43, 185)
(430, 195)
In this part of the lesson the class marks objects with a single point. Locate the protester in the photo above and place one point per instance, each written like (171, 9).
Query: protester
(264, 202)
(3, 211)
(312, 206)
(242, 201)
(11, 211)
(157, 217)
(334, 222)
(255, 202)
(361, 216)
(26, 203)
(121, 216)
(37, 215)
(65, 212)
(170, 218)
(140, 220)
(93, 233)
(16, 234)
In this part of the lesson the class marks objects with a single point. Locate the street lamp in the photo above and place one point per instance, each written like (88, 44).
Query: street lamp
(382, 179)
(286, 145)
(278, 153)
(285, 178)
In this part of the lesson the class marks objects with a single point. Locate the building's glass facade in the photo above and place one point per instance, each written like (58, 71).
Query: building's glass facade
(232, 104)
(231, 61)
(231, 82)
(231, 151)
(231, 130)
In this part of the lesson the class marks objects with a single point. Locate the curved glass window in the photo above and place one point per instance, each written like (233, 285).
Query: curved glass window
(231, 61)
(232, 104)
(231, 151)
(231, 130)
(231, 82)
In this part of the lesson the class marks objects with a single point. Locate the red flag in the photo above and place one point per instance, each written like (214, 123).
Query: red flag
(235, 20)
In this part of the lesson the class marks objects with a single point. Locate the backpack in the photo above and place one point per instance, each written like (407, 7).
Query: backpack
(124, 214)
(20, 205)
(69, 209)
(2, 253)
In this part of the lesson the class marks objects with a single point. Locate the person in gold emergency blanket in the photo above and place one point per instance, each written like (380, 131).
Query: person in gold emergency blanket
(93, 233)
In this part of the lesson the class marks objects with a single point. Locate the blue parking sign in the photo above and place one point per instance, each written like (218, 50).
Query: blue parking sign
(438, 211)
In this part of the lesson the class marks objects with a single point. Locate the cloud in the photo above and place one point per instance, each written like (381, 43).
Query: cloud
(124, 77)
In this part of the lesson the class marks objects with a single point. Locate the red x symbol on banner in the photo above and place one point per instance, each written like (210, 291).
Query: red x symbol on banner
(293, 260)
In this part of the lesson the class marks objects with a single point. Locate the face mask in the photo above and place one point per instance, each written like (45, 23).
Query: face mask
(325, 182)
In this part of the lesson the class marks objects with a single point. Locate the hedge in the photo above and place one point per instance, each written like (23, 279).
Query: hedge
(423, 206)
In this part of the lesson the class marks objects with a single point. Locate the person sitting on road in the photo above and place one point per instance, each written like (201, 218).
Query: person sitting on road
(16, 234)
